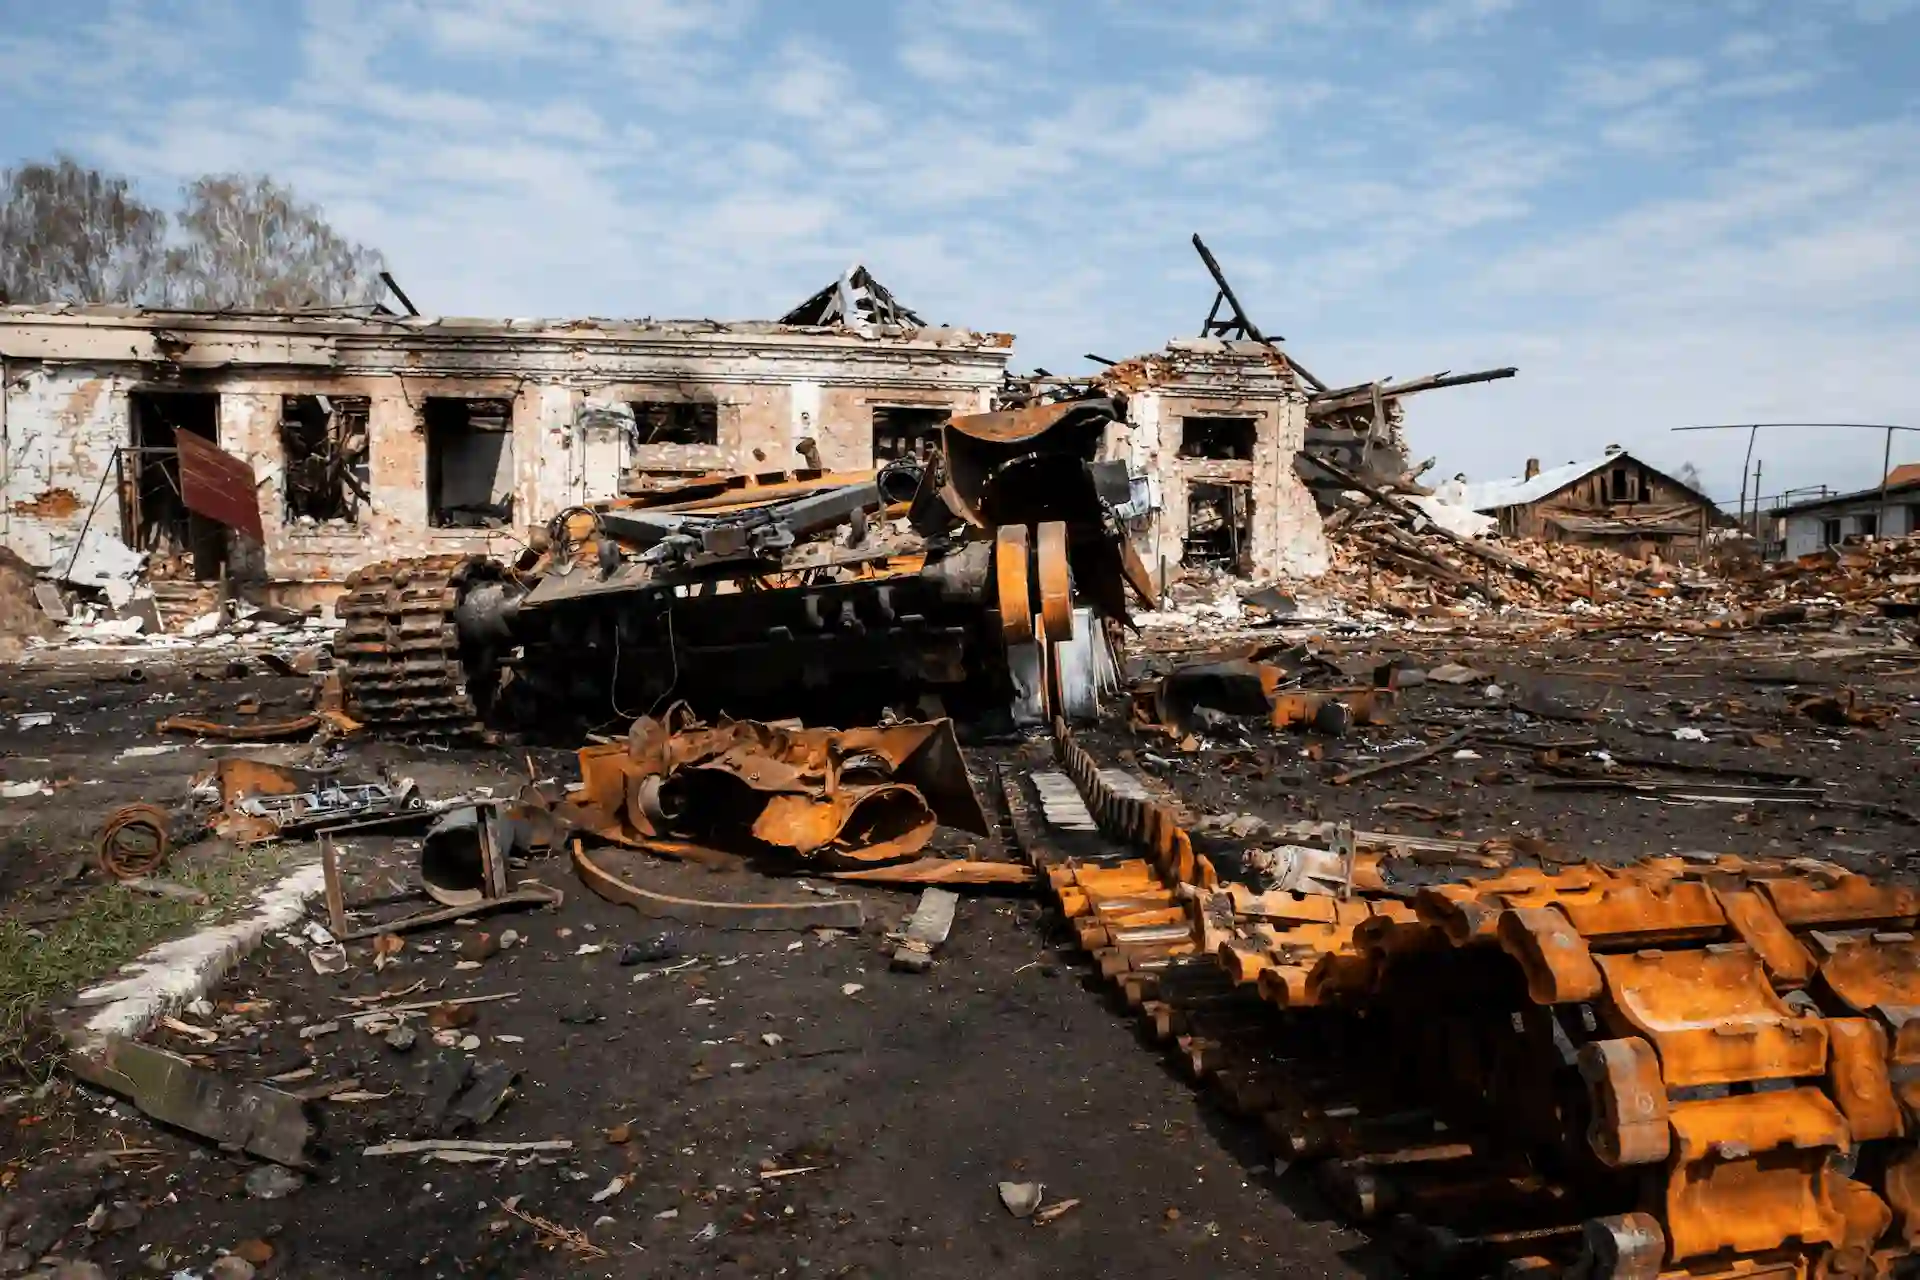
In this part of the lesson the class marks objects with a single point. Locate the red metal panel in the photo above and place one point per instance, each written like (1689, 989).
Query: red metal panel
(217, 485)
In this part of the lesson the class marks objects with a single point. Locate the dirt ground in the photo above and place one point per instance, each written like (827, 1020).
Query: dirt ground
(1700, 710)
(782, 1104)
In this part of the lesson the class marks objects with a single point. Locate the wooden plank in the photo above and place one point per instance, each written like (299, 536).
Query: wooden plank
(932, 922)
(1401, 762)
(336, 896)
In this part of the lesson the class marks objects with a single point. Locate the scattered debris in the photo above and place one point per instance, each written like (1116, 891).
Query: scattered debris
(1059, 1208)
(273, 1182)
(932, 921)
(421, 1146)
(554, 1236)
(265, 1122)
(1021, 1198)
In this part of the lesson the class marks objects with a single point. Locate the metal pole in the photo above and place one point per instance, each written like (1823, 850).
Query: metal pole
(80, 544)
(1752, 432)
(1886, 465)
(1756, 499)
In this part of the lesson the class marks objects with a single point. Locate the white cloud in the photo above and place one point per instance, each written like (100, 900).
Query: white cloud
(1744, 46)
(1655, 222)
(1629, 84)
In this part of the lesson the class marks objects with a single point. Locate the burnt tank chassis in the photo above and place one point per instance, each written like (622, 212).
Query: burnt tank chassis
(757, 597)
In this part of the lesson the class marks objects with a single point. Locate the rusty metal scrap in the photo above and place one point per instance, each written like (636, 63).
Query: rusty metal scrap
(1687, 1065)
(606, 872)
(219, 486)
(134, 841)
(1192, 695)
(248, 731)
(865, 795)
(769, 593)
(1843, 710)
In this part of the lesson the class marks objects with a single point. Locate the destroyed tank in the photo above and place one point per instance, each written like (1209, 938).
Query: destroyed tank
(798, 593)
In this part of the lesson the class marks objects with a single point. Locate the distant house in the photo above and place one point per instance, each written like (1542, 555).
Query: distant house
(1615, 500)
(1829, 521)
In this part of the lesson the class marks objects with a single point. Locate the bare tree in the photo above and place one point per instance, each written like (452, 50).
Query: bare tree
(250, 243)
(72, 234)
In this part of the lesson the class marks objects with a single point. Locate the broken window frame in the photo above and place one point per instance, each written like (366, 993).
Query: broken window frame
(1237, 554)
(1867, 524)
(343, 489)
(1204, 436)
(917, 435)
(489, 515)
(685, 422)
(1830, 532)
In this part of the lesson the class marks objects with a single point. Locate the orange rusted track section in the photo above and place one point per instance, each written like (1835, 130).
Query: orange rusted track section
(1742, 1038)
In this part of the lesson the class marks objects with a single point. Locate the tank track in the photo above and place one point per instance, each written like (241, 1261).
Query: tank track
(1687, 1067)
(398, 649)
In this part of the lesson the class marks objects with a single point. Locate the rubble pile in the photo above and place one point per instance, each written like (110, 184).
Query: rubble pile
(1381, 564)
(21, 618)
(1880, 576)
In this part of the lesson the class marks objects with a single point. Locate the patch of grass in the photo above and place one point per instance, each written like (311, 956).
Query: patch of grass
(41, 965)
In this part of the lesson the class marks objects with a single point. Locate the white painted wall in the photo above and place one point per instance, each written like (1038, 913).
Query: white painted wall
(1806, 533)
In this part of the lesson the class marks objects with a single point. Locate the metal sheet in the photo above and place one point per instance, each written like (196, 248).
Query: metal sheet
(219, 486)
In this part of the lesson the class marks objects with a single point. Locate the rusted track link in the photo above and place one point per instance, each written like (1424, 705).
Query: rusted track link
(398, 648)
(1674, 1068)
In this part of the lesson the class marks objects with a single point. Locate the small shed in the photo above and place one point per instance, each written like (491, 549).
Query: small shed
(1890, 511)
(1615, 500)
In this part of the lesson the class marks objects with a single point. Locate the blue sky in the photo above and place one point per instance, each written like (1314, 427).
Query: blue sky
(1663, 211)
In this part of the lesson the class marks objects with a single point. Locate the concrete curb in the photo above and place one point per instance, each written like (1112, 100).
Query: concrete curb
(179, 971)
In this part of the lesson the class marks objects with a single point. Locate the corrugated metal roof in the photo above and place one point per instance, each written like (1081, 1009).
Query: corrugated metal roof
(1491, 495)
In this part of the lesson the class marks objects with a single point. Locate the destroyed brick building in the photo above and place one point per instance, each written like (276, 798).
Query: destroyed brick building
(1615, 500)
(377, 435)
(381, 435)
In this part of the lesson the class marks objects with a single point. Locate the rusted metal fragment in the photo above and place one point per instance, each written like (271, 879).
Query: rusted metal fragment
(249, 731)
(1629, 1124)
(1056, 588)
(1752, 1173)
(238, 1115)
(1629, 911)
(603, 880)
(219, 486)
(941, 871)
(1903, 1192)
(1873, 974)
(1843, 899)
(1754, 921)
(1552, 954)
(1742, 1125)
(1013, 593)
(1858, 1079)
(866, 795)
(133, 841)
(1713, 1016)
(1021, 466)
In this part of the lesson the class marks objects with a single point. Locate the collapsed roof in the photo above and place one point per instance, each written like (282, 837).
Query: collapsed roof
(856, 298)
